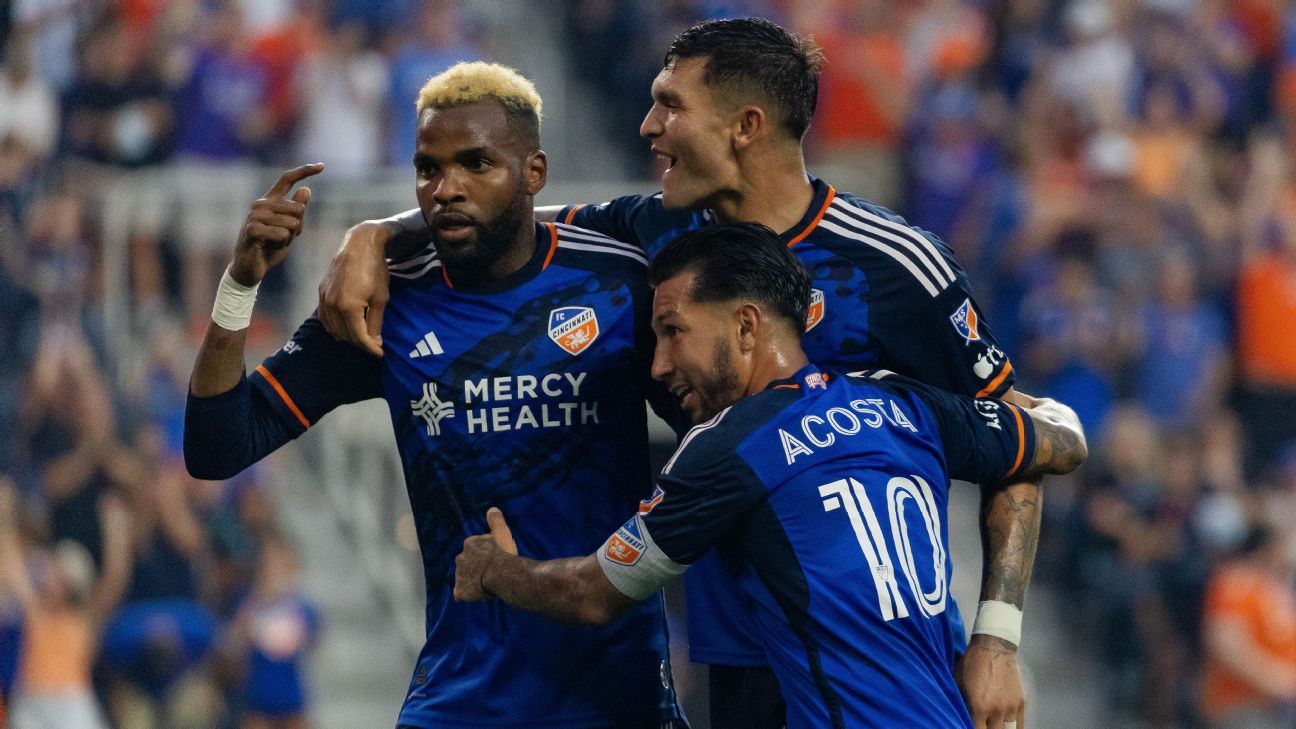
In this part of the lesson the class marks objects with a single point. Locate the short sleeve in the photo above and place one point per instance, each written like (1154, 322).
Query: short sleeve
(986, 441)
(314, 373)
(929, 326)
(616, 218)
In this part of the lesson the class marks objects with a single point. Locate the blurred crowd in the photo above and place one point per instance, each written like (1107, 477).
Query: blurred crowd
(1118, 177)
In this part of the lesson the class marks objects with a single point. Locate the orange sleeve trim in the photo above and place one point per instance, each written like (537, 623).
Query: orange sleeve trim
(832, 193)
(283, 395)
(553, 244)
(989, 389)
(445, 276)
(571, 214)
(1021, 438)
(790, 387)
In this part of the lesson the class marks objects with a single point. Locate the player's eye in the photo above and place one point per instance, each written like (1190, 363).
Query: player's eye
(477, 164)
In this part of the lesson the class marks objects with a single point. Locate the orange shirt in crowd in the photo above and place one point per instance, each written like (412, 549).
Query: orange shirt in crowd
(1266, 312)
(58, 649)
(851, 112)
(1266, 607)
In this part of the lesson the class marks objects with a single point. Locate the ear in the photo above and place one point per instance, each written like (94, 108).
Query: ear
(751, 125)
(750, 321)
(536, 172)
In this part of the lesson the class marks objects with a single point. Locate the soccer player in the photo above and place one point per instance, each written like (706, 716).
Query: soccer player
(515, 370)
(730, 109)
(826, 493)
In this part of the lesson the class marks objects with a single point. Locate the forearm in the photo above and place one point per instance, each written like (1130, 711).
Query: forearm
(405, 233)
(226, 433)
(1010, 525)
(571, 590)
(219, 366)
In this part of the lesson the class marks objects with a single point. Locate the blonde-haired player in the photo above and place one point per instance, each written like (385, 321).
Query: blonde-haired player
(515, 368)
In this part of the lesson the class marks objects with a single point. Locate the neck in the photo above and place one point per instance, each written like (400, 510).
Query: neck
(776, 360)
(773, 191)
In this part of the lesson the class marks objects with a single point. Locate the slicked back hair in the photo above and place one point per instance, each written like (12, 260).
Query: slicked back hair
(754, 59)
(739, 262)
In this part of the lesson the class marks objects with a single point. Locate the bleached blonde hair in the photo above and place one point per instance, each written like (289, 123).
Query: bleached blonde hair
(469, 82)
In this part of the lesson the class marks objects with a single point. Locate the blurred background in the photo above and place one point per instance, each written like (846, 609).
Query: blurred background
(1117, 176)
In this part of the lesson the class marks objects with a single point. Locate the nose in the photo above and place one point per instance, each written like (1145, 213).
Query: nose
(449, 189)
(651, 126)
(662, 367)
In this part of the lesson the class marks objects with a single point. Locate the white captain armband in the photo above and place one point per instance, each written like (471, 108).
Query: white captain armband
(633, 563)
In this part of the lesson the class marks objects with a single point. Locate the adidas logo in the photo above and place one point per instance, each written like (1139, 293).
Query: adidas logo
(427, 347)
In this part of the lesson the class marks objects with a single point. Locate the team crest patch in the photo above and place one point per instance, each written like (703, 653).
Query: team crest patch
(816, 381)
(965, 322)
(574, 328)
(627, 545)
(816, 313)
(648, 504)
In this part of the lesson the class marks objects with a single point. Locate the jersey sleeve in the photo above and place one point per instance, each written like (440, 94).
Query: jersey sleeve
(928, 325)
(315, 373)
(288, 392)
(986, 441)
(619, 218)
(701, 494)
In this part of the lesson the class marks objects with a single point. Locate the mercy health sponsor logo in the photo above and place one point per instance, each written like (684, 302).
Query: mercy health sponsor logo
(519, 402)
(574, 328)
(485, 415)
(816, 312)
(627, 545)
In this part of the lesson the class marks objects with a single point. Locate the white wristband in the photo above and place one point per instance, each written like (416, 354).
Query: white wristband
(234, 302)
(1000, 619)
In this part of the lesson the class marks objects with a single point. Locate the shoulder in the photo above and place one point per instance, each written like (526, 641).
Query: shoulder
(715, 443)
(421, 265)
(879, 240)
(585, 249)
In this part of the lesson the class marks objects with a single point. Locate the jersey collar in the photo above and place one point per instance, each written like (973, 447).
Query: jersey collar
(546, 242)
(823, 197)
(807, 379)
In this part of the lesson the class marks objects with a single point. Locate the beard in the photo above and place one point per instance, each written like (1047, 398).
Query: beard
(494, 238)
(721, 389)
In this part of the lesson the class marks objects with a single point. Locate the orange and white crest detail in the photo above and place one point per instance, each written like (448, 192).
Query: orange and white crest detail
(574, 328)
(816, 312)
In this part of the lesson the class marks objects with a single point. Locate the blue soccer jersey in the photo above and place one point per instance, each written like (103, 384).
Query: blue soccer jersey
(885, 295)
(527, 395)
(827, 496)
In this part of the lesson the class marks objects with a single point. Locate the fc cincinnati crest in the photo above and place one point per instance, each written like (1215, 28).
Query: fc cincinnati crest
(574, 328)
(965, 322)
(627, 545)
(815, 315)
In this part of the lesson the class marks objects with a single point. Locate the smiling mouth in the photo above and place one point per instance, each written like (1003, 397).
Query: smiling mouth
(681, 392)
(670, 160)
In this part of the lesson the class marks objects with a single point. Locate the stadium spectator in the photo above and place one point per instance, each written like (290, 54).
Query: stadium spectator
(438, 38)
(64, 605)
(1249, 632)
(343, 85)
(29, 128)
(279, 626)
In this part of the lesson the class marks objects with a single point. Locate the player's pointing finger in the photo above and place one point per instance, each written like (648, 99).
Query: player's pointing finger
(292, 177)
(500, 530)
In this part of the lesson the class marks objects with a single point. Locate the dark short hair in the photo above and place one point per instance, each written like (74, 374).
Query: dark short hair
(738, 261)
(753, 56)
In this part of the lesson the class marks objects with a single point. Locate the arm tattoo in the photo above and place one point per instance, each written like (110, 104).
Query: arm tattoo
(1059, 441)
(1010, 523)
(570, 590)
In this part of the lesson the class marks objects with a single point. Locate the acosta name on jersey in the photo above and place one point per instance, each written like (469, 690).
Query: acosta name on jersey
(499, 418)
(821, 431)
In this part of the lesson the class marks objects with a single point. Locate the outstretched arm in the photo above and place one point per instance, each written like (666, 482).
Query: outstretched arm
(353, 294)
(573, 590)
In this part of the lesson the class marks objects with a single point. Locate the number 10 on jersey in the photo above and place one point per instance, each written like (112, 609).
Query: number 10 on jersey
(901, 493)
